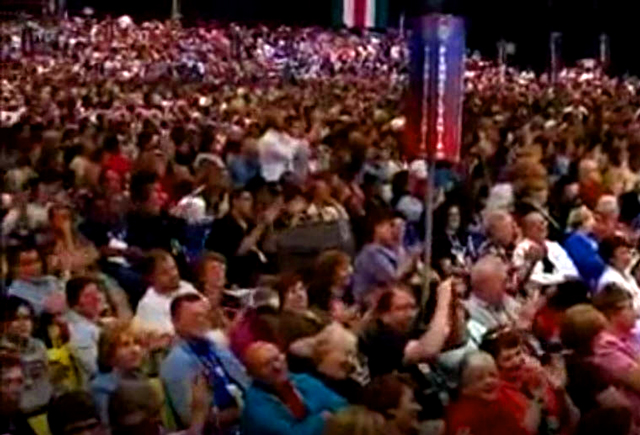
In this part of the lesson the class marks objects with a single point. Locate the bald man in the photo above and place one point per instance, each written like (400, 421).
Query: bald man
(489, 305)
(555, 266)
(278, 403)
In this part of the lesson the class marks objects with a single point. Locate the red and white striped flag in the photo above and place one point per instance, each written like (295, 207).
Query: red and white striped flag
(361, 13)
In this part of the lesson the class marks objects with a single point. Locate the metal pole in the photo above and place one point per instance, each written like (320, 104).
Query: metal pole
(429, 199)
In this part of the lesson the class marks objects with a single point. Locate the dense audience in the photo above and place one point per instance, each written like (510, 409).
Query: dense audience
(213, 230)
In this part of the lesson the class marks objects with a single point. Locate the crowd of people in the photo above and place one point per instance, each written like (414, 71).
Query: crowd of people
(213, 230)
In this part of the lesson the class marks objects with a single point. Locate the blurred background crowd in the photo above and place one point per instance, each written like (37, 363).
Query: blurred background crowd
(213, 230)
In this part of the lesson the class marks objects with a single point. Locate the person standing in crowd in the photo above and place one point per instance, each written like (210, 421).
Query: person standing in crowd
(237, 236)
(153, 313)
(555, 267)
(616, 348)
(383, 261)
(278, 403)
(616, 251)
(195, 354)
(501, 231)
(582, 247)
(17, 335)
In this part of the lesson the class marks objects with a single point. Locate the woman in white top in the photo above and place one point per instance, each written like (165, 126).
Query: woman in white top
(616, 251)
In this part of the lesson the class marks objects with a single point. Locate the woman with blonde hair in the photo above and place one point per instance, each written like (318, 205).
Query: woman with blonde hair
(120, 356)
(356, 420)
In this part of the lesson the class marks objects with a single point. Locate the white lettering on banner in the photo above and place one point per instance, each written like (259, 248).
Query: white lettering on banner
(425, 94)
(442, 78)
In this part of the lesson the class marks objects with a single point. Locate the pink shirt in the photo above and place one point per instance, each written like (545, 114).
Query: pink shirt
(617, 356)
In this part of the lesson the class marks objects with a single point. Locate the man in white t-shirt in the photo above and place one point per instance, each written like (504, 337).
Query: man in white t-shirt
(556, 266)
(154, 310)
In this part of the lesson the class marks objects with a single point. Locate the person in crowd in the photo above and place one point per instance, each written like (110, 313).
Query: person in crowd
(278, 403)
(588, 385)
(383, 261)
(453, 248)
(212, 279)
(333, 354)
(616, 251)
(328, 287)
(478, 409)
(17, 335)
(135, 408)
(120, 356)
(30, 282)
(356, 420)
(607, 212)
(616, 347)
(71, 254)
(393, 341)
(148, 227)
(555, 267)
(237, 236)
(193, 354)
(501, 230)
(153, 312)
(85, 305)
(75, 413)
(13, 421)
(533, 393)
(296, 320)
(392, 397)
(581, 246)
(489, 304)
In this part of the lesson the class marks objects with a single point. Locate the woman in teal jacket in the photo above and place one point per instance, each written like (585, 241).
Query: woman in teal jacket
(281, 404)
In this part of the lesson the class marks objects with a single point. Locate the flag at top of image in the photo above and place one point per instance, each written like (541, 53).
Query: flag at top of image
(361, 13)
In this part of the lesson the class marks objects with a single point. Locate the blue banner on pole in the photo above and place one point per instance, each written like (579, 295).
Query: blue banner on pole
(436, 92)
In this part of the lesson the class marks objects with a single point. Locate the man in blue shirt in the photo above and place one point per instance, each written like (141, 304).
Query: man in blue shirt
(383, 261)
(195, 354)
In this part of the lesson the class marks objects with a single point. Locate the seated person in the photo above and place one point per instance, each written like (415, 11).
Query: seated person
(18, 328)
(153, 313)
(74, 413)
(194, 353)
(392, 397)
(533, 394)
(12, 420)
(356, 420)
(333, 355)
(478, 409)
(282, 404)
(135, 409)
(120, 356)
(85, 305)
(30, 283)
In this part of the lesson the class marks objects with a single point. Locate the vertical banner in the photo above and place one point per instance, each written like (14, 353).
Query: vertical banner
(605, 52)
(555, 50)
(436, 90)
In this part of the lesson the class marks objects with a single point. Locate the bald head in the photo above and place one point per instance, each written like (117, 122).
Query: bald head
(607, 207)
(266, 363)
(534, 227)
(489, 279)
(500, 227)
